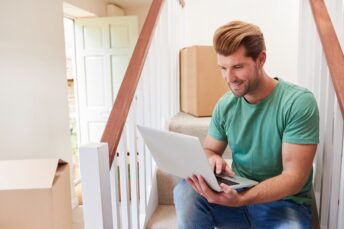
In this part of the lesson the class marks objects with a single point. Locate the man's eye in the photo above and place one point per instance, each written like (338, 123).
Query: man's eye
(237, 66)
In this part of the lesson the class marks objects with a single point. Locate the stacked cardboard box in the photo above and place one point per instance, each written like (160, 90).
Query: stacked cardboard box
(200, 80)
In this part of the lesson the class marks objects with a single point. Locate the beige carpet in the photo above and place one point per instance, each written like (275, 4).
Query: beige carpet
(78, 220)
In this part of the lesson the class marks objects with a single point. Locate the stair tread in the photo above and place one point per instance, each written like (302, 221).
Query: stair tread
(190, 125)
(166, 183)
(164, 217)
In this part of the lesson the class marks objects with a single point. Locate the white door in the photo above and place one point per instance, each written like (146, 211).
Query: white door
(103, 50)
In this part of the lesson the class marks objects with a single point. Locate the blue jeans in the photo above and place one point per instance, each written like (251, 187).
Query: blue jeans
(194, 212)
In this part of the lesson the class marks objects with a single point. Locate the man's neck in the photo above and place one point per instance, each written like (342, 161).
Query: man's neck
(265, 87)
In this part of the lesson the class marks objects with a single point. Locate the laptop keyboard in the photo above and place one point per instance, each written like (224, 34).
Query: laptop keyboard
(225, 181)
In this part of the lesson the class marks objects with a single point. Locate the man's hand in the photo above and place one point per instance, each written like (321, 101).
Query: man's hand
(219, 165)
(228, 196)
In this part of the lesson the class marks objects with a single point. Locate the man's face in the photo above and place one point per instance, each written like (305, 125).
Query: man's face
(240, 72)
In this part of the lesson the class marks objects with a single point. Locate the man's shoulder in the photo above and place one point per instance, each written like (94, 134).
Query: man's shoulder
(291, 92)
(293, 89)
(297, 101)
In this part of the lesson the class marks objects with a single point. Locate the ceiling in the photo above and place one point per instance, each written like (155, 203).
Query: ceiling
(127, 4)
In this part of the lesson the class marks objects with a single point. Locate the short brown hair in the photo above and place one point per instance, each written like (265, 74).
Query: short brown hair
(229, 37)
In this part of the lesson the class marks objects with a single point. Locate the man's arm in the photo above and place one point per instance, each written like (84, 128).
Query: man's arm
(297, 162)
(214, 150)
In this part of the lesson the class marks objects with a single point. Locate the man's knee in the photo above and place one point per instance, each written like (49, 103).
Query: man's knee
(192, 208)
(183, 194)
(186, 200)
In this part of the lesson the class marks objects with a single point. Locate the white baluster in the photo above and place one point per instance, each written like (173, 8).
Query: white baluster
(336, 166)
(124, 183)
(141, 150)
(115, 194)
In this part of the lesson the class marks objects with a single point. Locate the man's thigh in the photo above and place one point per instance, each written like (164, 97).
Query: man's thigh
(230, 217)
(280, 214)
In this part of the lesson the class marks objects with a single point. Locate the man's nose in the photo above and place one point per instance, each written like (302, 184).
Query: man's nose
(229, 77)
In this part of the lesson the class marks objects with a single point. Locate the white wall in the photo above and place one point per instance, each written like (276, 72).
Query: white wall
(140, 12)
(97, 7)
(33, 92)
(278, 19)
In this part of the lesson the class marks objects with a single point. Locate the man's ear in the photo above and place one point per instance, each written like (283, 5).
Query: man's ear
(261, 58)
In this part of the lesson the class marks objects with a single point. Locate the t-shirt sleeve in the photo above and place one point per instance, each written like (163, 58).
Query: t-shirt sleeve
(302, 124)
(216, 126)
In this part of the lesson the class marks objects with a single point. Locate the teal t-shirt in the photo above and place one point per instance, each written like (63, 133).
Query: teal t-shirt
(255, 132)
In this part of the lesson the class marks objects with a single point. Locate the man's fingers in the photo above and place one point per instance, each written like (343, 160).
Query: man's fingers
(225, 188)
(204, 185)
(229, 171)
(218, 166)
(228, 190)
(190, 182)
(195, 184)
(208, 193)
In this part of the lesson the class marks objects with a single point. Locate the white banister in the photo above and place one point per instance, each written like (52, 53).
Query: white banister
(95, 178)
(314, 74)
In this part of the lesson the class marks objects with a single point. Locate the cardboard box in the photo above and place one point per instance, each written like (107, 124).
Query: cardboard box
(35, 194)
(201, 82)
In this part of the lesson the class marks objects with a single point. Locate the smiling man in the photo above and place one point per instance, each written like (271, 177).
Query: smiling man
(272, 127)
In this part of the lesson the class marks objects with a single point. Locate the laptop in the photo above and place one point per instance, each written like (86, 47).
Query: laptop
(183, 156)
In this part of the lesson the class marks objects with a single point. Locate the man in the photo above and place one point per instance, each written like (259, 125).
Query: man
(272, 128)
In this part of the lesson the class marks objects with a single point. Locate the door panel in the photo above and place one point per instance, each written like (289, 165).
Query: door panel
(103, 49)
(121, 40)
(95, 82)
(93, 37)
(119, 65)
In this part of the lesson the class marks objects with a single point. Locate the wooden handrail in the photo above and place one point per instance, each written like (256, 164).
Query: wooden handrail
(331, 46)
(119, 112)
